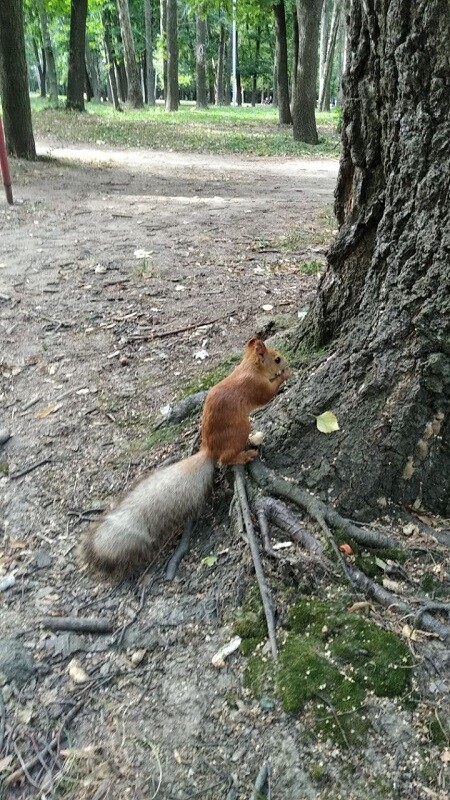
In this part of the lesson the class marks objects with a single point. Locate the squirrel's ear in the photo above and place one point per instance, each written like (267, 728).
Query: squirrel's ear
(258, 346)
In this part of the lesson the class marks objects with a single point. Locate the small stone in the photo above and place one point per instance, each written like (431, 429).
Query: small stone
(4, 436)
(42, 559)
(16, 664)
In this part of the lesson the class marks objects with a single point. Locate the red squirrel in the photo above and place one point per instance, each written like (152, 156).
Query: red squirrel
(161, 503)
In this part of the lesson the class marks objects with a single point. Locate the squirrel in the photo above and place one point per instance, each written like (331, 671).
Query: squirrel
(149, 514)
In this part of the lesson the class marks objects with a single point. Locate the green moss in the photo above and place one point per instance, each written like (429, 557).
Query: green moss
(310, 267)
(209, 378)
(432, 585)
(329, 661)
(250, 623)
(258, 675)
(306, 674)
(4, 468)
(439, 729)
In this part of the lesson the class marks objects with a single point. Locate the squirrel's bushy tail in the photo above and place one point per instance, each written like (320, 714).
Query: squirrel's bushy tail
(148, 516)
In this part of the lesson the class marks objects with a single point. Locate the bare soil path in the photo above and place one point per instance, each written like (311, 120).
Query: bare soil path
(105, 256)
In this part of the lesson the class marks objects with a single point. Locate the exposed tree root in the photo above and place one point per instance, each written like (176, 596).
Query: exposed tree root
(241, 497)
(178, 554)
(318, 510)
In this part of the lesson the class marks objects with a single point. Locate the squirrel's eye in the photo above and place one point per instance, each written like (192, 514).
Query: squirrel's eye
(277, 360)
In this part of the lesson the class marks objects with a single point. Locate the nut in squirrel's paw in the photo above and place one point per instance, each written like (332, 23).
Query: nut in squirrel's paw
(256, 438)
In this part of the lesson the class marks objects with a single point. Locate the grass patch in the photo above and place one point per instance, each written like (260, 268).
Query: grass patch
(241, 130)
(210, 377)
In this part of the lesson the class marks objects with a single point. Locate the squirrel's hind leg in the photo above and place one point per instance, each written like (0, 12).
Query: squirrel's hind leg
(240, 458)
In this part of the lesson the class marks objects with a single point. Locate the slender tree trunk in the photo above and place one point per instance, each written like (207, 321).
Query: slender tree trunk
(92, 72)
(324, 95)
(324, 34)
(49, 56)
(304, 105)
(200, 61)
(149, 68)
(76, 75)
(121, 80)
(40, 67)
(134, 96)
(295, 37)
(172, 100)
(383, 304)
(110, 58)
(163, 33)
(14, 81)
(256, 65)
(220, 66)
(281, 55)
(275, 82)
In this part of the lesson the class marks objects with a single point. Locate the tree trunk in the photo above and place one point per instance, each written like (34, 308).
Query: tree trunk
(76, 75)
(281, 56)
(172, 99)
(275, 83)
(41, 67)
(49, 56)
(324, 94)
(295, 36)
(220, 66)
(256, 66)
(200, 61)
(14, 81)
(134, 96)
(110, 57)
(163, 34)
(323, 44)
(383, 304)
(92, 72)
(149, 68)
(304, 99)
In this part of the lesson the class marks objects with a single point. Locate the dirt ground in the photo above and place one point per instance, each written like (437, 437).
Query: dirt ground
(123, 276)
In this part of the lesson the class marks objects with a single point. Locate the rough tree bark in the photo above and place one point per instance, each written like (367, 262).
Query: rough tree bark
(77, 69)
(383, 308)
(304, 97)
(172, 99)
(200, 61)
(14, 81)
(149, 68)
(281, 57)
(134, 97)
(49, 56)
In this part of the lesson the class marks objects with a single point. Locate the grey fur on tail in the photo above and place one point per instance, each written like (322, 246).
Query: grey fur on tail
(149, 516)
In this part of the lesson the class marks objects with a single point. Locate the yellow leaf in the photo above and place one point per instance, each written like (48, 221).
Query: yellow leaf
(409, 632)
(327, 422)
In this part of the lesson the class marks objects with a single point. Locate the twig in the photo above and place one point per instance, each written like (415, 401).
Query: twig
(180, 552)
(131, 621)
(390, 600)
(84, 624)
(26, 470)
(261, 783)
(239, 487)
(17, 774)
(142, 337)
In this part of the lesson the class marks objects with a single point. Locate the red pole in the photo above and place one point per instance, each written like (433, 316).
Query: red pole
(4, 166)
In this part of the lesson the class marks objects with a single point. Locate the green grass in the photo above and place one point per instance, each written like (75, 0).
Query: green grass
(241, 130)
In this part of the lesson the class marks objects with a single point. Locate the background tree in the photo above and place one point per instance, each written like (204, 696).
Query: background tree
(382, 309)
(304, 95)
(14, 81)
(200, 60)
(172, 99)
(134, 94)
(149, 44)
(49, 55)
(76, 76)
(324, 93)
(281, 58)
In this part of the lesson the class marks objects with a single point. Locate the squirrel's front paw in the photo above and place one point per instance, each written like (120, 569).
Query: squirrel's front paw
(256, 438)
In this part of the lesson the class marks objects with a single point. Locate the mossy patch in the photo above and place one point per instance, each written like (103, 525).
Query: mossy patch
(329, 661)
(210, 377)
(4, 468)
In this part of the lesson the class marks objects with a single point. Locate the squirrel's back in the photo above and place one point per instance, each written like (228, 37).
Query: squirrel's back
(148, 516)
